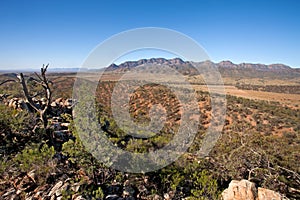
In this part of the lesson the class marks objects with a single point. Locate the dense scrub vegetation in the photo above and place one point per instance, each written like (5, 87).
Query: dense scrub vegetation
(260, 142)
(289, 89)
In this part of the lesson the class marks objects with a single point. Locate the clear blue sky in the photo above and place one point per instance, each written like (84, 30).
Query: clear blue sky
(63, 32)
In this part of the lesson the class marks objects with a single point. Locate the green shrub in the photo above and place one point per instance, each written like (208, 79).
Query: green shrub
(204, 186)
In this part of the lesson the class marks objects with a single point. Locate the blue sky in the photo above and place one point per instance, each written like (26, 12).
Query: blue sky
(64, 32)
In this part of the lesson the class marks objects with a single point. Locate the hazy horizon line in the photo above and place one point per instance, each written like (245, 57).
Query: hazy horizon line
(134, 60)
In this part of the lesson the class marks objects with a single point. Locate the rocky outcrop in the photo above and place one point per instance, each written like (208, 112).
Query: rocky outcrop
(240, 190)
(246, 190)
(56, 108)
(265, 194)
(25, 187)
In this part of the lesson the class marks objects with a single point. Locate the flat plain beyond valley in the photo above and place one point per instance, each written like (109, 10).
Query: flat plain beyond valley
(291, 100)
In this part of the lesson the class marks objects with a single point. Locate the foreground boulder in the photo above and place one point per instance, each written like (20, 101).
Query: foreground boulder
(265, 194)
(239, 190)
(246, 190)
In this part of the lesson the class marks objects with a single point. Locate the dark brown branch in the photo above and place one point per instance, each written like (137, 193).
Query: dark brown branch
(290, 171)
(37, 75)
(36, 81)
(37, 94)
(26, 92)
(6, 81)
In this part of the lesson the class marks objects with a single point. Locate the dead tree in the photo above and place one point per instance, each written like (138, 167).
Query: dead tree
(43, 110)
(42, 80)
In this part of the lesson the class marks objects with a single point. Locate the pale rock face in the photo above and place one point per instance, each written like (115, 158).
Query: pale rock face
(246, 190)
(266, 194)
(53, 104)
(240, 190)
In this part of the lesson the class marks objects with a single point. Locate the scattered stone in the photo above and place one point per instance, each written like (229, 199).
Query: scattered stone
(166, 196)
(55, 188)
(75, 187)
(9, 192)
(128, 191)
(113, 197)
(154, 197)
(32, 175)
(79, 198)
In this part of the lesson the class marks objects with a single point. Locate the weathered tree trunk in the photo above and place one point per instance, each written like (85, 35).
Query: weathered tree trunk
(43, 81)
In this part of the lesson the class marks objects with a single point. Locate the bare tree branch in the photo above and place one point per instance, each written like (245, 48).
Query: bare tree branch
(37, 94)
(6, 81)
(26, 92)
(37, 75)
(290, 171)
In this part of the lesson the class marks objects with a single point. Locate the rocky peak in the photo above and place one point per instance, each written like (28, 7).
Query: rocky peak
(112, 67)
(227, 64)
(159, 61)
(176, 61)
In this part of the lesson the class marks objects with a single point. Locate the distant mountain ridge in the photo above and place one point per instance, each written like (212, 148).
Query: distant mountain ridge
(226, 68)
(178, 61)
(262, 67)
(162, 61)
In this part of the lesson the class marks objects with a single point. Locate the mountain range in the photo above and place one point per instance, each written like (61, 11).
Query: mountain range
(226, 68)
